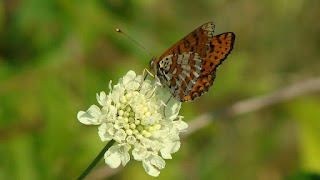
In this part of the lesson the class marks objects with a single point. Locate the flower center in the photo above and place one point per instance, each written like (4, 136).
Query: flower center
(136, 116)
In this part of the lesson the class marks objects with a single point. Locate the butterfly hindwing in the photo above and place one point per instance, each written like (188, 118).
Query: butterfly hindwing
(180, 73)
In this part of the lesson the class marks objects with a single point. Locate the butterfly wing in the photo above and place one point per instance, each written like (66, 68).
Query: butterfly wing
(188, 68)
(197, 41)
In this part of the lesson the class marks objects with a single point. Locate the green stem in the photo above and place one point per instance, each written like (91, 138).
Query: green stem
(96, 160)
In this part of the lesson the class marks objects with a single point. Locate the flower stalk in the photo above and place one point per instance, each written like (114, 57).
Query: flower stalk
(96, 160)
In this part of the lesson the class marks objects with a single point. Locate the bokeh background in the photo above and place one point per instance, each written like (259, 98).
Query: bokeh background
(56, 55)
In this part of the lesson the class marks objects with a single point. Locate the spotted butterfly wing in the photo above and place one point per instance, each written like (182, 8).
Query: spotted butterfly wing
(188, 68)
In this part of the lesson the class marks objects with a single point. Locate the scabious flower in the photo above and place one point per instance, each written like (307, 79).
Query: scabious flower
(141, 119)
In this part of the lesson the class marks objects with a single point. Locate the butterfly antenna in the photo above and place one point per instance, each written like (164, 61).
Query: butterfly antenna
(120, 31)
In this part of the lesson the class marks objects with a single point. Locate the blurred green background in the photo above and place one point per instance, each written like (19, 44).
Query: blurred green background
(55, 55)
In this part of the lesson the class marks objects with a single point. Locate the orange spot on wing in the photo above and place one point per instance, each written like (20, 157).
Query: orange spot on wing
(187, 98)
(179, 70)
(174, 63)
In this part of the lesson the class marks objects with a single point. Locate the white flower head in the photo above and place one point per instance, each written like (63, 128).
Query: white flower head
(137, 115)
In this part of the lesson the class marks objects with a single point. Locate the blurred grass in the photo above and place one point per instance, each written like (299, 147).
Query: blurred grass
(55, 55)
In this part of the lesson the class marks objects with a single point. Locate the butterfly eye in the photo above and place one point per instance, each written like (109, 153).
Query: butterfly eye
(152, 62)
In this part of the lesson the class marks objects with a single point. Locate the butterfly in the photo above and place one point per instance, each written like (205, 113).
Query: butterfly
(188, 68)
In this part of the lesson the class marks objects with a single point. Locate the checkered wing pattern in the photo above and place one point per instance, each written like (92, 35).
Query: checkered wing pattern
(188, 68)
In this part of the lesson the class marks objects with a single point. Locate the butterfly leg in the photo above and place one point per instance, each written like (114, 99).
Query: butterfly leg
(154, 90)
(149, 73)
(164, 108)
(144, 76)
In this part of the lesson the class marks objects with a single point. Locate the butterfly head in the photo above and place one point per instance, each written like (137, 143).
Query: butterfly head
(151, 63)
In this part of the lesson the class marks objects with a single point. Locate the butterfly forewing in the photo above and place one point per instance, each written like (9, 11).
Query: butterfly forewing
(220, 47)
(196, 41)
(188, 68)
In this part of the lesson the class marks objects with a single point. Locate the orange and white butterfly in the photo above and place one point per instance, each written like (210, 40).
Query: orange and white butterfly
(188, 68)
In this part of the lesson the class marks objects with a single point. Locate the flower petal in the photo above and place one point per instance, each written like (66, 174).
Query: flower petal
(106, 131)
(172, 109)
(112, 158)
(120, 136)
(103, 99)
(91, 116)
(151, 170)
(181, 125)
(170, 148)
(158, 161)
(128, 77)
(140, 153)
(112, 113)
(125, 157)
(152, 164)
(117, 155)
(131, 139)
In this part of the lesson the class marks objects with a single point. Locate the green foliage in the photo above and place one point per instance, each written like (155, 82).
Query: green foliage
(55, 55)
